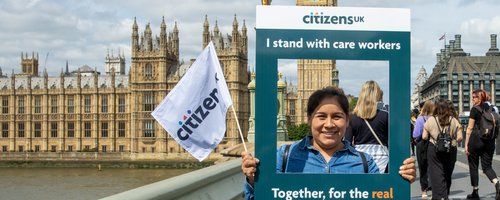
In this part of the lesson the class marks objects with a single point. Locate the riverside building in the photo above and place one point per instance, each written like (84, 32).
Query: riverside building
(85, 111)
(457, 73)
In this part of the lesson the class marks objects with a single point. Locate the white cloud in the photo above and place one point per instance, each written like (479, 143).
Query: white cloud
(83, 31)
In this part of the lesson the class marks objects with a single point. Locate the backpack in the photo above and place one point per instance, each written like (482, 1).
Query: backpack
(489, 123)
(443, 140)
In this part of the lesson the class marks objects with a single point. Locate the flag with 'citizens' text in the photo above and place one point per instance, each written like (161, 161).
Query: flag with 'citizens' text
(194, 112)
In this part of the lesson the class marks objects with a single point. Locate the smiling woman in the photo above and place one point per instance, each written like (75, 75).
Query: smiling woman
(328, 117)
(324, 151)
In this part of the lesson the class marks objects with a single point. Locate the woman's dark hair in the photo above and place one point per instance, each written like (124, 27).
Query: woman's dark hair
(451, 108)
(415, 112)
(442, 112)
(318, 96)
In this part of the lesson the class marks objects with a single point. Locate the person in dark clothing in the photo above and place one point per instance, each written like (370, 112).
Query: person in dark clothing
(413, 120)
(368, 128)
(476, 147)
(441, 164)
(427, 110)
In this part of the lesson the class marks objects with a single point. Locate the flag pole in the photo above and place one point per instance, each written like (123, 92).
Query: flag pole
(239, 128)
(444, 40)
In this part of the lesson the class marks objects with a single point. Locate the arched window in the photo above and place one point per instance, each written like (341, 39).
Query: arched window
(148, 71)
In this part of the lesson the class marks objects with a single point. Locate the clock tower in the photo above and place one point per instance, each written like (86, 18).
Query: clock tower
(316, 3)
(313, 74)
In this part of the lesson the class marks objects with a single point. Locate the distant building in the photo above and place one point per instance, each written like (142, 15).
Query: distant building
(419, 82)
(1, 74)
(87, 111)
(457, 73)
(115, 64)
(85, 70)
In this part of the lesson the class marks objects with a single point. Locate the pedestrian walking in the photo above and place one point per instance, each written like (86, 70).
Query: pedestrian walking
(426, 112)
(441, 159)
(477, 147)
(413, 120)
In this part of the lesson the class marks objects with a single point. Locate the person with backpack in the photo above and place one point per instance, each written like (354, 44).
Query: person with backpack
(481, 144)
(443, 132)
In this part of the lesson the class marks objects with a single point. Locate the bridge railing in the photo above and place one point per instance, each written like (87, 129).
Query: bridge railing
(220, 181)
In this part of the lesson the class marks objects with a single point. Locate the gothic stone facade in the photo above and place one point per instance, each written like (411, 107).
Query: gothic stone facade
(311, 76)
(112, 112)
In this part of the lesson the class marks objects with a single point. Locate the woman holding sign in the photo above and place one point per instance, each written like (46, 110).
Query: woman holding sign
(324, 151)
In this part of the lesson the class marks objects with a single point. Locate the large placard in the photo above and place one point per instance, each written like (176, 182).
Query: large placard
(334, 33)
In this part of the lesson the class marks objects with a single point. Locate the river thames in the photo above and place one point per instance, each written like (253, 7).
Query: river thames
(76, 183)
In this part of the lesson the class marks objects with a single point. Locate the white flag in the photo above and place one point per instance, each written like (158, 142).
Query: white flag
(194, 112)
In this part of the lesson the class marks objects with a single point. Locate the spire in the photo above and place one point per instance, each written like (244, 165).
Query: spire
(135, 27)
(67, 68)
(163, 25)
(176, 41)
(235, 34)
(163, 34)
(244, 39)
(216, 28)
(205, 24)
(244, 28)
(235, 22)
(148, 37)
(135, 37)
(206, 33)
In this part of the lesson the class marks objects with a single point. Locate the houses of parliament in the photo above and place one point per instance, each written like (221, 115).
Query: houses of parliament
(86, 111)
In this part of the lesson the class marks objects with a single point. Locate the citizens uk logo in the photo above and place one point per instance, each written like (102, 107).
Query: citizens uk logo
(193, 120)
(321, 18)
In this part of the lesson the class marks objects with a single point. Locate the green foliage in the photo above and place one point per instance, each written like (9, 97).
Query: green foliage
(298, 132)
(352, 103)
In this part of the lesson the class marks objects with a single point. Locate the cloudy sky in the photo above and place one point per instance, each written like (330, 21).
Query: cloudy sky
(82, 32)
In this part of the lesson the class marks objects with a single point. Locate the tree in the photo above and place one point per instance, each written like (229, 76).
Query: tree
(298, 132)
(352, 103)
